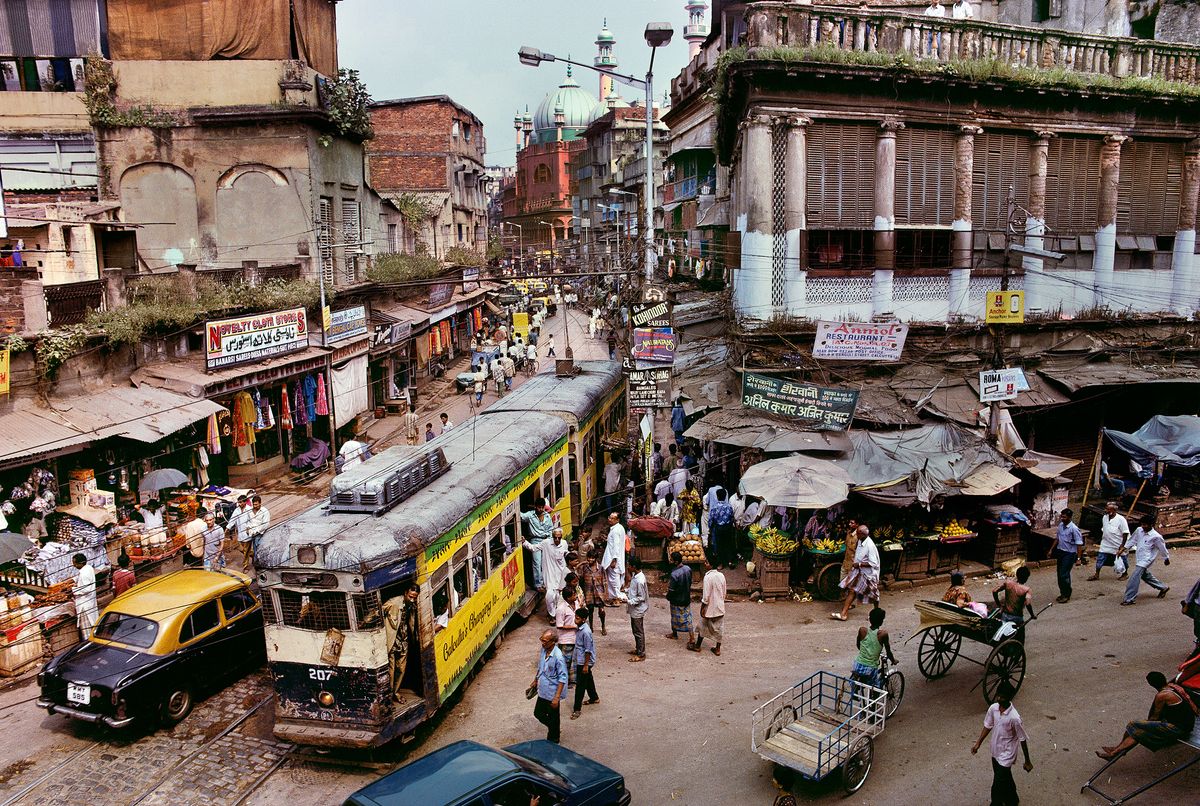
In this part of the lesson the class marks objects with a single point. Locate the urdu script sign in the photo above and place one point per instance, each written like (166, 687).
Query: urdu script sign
(253, 338)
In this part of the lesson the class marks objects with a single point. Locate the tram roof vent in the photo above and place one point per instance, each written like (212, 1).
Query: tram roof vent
(377, 492)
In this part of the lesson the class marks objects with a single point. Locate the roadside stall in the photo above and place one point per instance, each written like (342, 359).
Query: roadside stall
(1045, 492)
(1166, 451)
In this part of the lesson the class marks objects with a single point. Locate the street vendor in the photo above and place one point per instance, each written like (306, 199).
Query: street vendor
(1016, 598)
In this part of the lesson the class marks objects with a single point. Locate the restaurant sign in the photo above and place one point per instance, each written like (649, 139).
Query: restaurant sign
(649, 388)
(248, 339)
(860, 341)
(348, 323)
(655, 344)
(818, 407)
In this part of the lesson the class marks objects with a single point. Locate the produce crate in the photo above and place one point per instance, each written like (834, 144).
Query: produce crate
(999, 543)
(915, 559)
(649, 551)
(1171, 517)
(773, 574)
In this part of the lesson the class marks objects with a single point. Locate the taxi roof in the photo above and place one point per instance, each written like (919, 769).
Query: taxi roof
(164, 597)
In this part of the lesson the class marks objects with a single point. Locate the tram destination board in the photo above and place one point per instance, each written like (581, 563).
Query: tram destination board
(649, 388)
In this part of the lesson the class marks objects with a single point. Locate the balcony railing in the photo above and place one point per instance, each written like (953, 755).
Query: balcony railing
(776, 25)
(70, 303)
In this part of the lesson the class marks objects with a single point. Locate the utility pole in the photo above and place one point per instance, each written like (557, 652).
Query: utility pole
(996, 330)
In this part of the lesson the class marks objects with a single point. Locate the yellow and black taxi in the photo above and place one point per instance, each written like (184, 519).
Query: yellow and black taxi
(156, 647)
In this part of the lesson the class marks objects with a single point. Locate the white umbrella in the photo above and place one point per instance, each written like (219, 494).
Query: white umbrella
(797, 482)
(164, 478)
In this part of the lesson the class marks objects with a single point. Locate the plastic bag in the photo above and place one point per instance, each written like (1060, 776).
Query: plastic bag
(1120, 566)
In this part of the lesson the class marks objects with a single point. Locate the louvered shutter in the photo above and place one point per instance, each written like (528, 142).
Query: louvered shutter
(840, 176)
(1073, 184)
(1150, 187)
(1001, 161)
(325, 237)
(924, 176)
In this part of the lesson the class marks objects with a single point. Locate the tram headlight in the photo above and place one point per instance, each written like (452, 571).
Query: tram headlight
(326, 699)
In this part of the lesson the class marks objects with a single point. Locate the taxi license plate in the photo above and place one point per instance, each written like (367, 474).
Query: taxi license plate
(79, 694)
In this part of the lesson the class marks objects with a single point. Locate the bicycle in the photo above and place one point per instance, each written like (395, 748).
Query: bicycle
(893, 684)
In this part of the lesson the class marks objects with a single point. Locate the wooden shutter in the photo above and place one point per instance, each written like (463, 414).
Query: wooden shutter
(841, 176)
(1150, 187)
(325, 237)
(1073, 184)
(924, 176)
(1001, 161)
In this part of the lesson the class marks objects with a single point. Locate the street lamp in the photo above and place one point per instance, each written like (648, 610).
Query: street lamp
(551, 227)
(521, 246)
(657, 35)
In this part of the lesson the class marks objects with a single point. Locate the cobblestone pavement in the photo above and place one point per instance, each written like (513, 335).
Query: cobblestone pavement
(190, 764)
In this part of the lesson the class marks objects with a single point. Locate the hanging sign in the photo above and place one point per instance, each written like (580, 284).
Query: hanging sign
(860, 341)
(470, 276)
(1001, 384)
(649, 388)
(654, 314)
(4, 372)
(247, 339)
(819, 408)
(1004, 308)
(656, 345)
(440, 294)
(348, 323)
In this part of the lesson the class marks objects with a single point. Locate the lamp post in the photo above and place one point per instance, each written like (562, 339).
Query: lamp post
(657, 34)
(521, 245)
(551, 228)
(616, 213)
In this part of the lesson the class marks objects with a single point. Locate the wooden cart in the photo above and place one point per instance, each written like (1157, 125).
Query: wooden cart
(943, 628)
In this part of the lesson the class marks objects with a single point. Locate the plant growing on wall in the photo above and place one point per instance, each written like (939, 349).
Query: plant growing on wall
(462, 256)
(54, 347)
(346, 99)
(396, 268)
(412, 208)
(100, 100)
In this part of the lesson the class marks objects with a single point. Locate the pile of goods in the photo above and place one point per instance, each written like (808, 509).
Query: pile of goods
(772, 542)
(692, 550)
(953, 529)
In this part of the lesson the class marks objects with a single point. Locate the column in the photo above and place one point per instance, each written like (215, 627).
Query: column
(885, 216)
(1183, 261)
(1036, 298)
(795, 218)
(1106, 220)
(962, 245)
(752, 285)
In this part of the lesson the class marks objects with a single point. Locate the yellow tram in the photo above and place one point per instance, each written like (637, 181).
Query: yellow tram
(443, 516)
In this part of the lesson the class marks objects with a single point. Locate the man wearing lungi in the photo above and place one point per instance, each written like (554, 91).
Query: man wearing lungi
(863, 580)
(679, 596)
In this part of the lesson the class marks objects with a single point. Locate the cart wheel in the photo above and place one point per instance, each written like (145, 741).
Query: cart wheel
(1006, 664)
(858, 766)
(895, 692)
(827, 582)
(938, 651)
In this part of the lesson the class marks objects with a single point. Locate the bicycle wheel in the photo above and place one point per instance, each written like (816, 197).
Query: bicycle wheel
(895, 691)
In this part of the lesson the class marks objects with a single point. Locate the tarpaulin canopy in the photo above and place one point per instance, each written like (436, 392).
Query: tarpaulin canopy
(737, 426)
(1045, 465)
(1173, 440)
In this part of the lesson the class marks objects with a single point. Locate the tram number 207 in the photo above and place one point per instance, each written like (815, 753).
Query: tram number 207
(320, 674)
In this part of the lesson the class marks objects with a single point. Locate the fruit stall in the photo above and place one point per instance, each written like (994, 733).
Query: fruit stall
(826, 555)
(772, 558)
(913, 543)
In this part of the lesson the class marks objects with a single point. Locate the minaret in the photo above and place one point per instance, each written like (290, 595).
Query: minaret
(527, 124)
(696, 31)
(517, 122)
(559, 120)
(605, 60)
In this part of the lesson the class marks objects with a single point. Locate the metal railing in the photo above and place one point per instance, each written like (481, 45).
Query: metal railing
(70, 303)
(945, 40)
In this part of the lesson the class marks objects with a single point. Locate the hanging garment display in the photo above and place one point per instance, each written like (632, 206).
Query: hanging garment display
(444, 328)
(322, 401)
(213, 439)
(285, 410)
(310, 397)
(245, 415)
(259, 423)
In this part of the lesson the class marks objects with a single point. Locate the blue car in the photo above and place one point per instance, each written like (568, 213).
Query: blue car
(472, 774)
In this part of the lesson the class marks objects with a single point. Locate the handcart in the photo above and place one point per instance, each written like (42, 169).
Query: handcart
(943, 628)
(824, 723)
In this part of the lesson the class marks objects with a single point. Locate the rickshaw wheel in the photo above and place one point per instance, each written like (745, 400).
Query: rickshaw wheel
(938, 651)
(856, 768)
(827, 582)
(1005, 664)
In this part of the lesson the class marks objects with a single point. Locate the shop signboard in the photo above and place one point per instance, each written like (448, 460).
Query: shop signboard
(347, 323)
(1004, 308)
(252, 338)
(860, 341)
(655, 344)
(4, 372)
(651, 314)
(1001, 384)
(649, 388)
(470, 276)
(818, 407)
(653, 293)
(440, 294)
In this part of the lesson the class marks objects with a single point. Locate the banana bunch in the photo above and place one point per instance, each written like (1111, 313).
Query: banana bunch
(773, 541)
(826, 545)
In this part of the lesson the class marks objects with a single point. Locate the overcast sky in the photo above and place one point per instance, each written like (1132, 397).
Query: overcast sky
(467, 49)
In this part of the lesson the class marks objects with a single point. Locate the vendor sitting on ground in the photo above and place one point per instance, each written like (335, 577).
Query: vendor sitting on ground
(1172, 717)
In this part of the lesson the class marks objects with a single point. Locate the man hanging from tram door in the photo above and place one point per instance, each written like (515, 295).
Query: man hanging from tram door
(400, 628)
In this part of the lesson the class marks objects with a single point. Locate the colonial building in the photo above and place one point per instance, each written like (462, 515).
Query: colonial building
(429, 150)
(886, 164)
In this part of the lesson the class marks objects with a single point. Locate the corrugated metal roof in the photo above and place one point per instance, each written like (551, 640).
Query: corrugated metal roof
(145, 415)
(1119, 371)
(187, 376)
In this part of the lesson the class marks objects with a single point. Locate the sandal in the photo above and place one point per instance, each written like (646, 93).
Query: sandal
(837, 617)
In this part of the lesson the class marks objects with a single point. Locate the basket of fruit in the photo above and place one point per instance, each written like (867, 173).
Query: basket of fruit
(954, 532)
(826, 546)
(692, 550)
(772, 542)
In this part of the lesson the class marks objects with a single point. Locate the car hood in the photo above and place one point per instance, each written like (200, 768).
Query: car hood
(580, 771)
(101, 664)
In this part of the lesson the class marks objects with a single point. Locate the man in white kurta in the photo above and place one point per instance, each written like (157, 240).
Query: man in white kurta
(553, 554)
(863, 580)
(613, 561)
(84, 592)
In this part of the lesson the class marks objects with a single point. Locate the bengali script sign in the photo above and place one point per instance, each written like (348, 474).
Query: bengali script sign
(817, 407)
(247, 339)
(860, 341)
(655, 344)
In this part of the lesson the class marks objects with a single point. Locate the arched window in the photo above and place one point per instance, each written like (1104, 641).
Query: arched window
(541, 174)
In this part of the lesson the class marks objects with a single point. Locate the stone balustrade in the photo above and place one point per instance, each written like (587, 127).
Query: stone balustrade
(945, 40)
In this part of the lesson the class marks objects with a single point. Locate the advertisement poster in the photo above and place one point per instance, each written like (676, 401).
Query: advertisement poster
(440, 294)
(655, 344)
(1004, 308)
(347, 323)
(4, 372)
(649, 388)
(247, 339)
(470, 276)
(817, 407)
(653, 314)
(1001, 384)
(860, 341)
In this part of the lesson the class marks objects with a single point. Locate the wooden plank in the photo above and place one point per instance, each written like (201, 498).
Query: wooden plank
(805, 753)
(804, 732)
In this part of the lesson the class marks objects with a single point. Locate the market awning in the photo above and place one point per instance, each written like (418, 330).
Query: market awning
(697, 138)
(145, 414)
(989, 480)
(737, 426)
(187, 376)
(1117, 371)
(1045, 465)
(1173, 440)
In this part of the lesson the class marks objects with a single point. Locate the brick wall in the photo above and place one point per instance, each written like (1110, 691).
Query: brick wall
(12, 307)
(412, 146)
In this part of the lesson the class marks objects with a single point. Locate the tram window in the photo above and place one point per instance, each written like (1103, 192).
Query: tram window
(479, 571)
(441, 605)
(462, 584)
(496, 551)
(318, 610)
(368, 614)
(559, 484)
(510, 532)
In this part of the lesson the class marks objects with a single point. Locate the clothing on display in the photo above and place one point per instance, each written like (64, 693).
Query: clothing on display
(285, 410)
(322, 401)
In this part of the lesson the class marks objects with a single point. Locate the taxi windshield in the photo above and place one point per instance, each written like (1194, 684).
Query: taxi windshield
(123, 629)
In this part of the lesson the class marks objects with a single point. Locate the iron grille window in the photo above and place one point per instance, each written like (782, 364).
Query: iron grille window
(325, 237)
(270, 613)
(318, 611)
(368, 613)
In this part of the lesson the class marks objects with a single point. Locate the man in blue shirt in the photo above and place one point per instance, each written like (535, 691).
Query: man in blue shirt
(585, 661)
(677, 421)
(550, 682)
(721, 549)
(1069, 551)
(679, 596)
